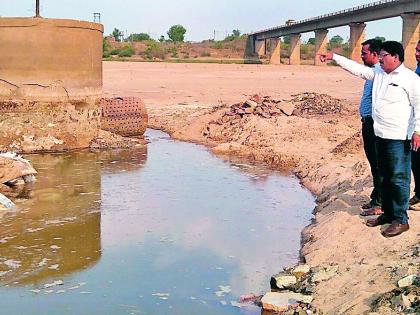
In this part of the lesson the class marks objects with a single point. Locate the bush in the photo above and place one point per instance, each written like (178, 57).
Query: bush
(114, 52)
(173, 51)
(126, 51)
(218, 45)
(106, 54)
(154, 50)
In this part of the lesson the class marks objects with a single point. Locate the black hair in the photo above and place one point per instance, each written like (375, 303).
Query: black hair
(394, 48)
(374, 45)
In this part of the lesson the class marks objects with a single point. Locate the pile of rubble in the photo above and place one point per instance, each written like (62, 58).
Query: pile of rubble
(293, 289)
(263, 106)
(403, 300)
(308, 104)
(302, 105)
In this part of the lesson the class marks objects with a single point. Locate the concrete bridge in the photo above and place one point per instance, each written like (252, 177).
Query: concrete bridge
(267, 42)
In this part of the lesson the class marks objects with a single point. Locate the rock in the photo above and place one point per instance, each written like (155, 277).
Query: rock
(249, 110)
(405, 301)
(252, 104)
(325, 274)
(6, 202)
(249, 298)
(283, 281)
(301, 270)
(281, 302)
(225, 119)
(287, 108)
(257, 98)
(407, 281)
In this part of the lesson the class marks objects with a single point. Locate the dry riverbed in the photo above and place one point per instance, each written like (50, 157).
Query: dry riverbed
(308, 124)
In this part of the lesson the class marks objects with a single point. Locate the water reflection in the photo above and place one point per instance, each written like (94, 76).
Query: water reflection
(171, 230)
(56, 230)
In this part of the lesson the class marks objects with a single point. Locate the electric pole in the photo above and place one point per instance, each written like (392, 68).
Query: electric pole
(37, 9)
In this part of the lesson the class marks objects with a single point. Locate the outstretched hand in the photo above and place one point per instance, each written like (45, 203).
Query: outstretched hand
(325, 57)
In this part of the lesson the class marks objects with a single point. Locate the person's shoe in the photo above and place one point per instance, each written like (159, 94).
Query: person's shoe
(366, 206)
(381, 220)
(414, 203)
(395, 229)
(375, 210)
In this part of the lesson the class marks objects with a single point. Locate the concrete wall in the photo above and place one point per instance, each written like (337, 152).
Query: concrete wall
(50, 58)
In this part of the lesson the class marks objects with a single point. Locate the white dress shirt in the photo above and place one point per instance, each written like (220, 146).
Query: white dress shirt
(395, 98)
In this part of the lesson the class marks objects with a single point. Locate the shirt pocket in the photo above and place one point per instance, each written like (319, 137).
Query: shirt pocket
(394, 94)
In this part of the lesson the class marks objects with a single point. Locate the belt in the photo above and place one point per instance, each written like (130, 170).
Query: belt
(366, 119)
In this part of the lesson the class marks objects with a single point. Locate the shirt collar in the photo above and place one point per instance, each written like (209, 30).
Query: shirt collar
(399, 69)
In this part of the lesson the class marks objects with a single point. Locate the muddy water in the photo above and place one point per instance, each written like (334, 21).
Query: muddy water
(170, 230)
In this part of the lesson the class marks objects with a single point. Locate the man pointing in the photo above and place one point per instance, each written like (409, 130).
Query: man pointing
(396, 116)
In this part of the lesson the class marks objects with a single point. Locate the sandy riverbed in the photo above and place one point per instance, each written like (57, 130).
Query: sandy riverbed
(180, 99)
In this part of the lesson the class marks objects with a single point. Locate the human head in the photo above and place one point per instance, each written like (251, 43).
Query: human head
(391, 56)
(370, 51)
(418, 52)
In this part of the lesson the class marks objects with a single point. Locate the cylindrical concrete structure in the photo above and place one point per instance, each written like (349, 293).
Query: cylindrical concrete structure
(357, 37)
(50, 58)
(294, 49)
(410, 38)
(321, 43)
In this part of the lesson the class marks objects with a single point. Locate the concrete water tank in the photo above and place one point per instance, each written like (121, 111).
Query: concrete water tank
(50, 84)
(50, 58)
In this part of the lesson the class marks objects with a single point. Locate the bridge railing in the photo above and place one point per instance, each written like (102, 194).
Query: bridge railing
(360, 7)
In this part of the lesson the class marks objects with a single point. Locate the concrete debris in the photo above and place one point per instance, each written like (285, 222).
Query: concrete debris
(324, 274)
(284, 301)
(404, 300)
(292, 291)
(301, 271)
(283, 281)
(409, 280)
(13, 166)
(308, 104)
(6, 202)
(305, 104)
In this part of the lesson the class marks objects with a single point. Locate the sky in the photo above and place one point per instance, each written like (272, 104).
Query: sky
(203, 19)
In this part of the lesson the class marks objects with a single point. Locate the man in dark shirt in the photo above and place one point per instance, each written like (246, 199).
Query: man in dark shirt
(415, 156)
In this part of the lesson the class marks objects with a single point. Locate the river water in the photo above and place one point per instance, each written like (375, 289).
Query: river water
(170, 229)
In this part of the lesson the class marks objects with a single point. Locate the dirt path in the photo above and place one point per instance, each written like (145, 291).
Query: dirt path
(323, 150)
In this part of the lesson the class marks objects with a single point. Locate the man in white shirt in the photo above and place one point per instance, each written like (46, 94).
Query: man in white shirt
(396, 116)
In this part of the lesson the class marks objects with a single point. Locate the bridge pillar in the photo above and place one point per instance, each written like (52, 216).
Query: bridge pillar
(410, 37)
(294, 58)
(260, 46)
(321, 42)
(275, 53)
(357, 37)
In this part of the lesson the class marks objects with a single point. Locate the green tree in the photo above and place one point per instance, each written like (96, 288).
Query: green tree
(176, 33)
(286, 39)
(139, 37)
(236, 33)
(311, 41)
(336, 41)
(381, 38)
(117, 34)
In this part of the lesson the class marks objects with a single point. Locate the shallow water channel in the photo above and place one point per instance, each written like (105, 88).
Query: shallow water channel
(168, 230)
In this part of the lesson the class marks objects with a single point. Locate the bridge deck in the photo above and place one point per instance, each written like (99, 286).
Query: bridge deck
(370, 12)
